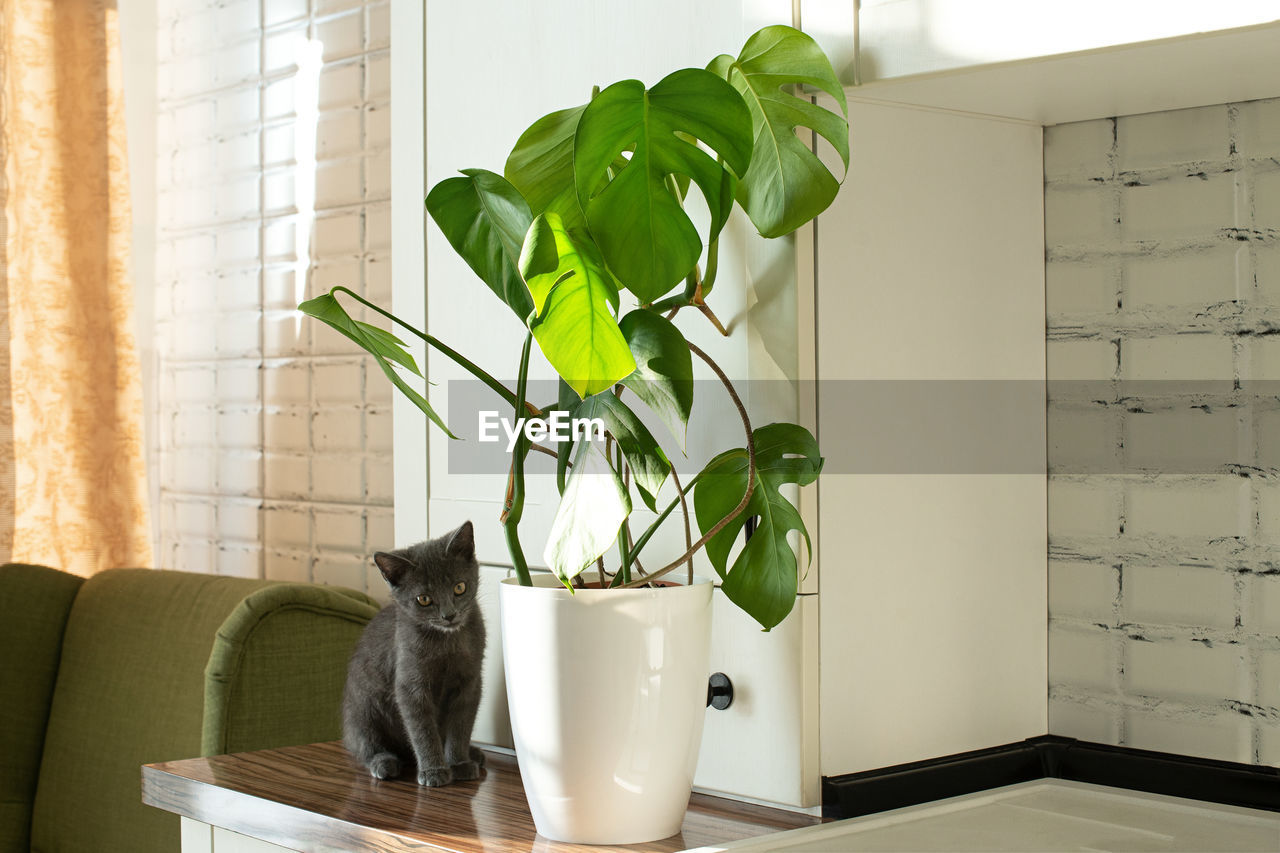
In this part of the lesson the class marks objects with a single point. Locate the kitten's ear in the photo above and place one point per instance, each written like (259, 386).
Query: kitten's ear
(393, 567)
(462, 542)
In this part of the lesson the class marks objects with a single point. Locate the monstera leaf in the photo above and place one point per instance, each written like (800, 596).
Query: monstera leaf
(574, 298)
(648, 464)
(663, 377)
(763, 579)
(592, 508)
(485, 219)
(786, 184)
(541, 166)
(643, 233)
(384, 346)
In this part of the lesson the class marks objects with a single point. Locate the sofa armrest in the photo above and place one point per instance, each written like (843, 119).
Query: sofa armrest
(34, 605)
(277, 668)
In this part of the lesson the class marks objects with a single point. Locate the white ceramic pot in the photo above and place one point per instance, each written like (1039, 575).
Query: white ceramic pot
(607, 691)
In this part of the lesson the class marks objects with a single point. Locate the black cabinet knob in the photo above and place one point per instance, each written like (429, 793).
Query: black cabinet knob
(719, 691)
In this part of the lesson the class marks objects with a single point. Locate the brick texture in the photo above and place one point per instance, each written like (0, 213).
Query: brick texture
(275, 438)
(1163, 278)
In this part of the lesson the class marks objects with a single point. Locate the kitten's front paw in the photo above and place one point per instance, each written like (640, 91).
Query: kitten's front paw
(384, 766)
(466, 771)
(434, 777)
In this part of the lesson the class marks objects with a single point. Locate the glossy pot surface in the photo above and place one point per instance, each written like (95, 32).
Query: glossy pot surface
(607, 692)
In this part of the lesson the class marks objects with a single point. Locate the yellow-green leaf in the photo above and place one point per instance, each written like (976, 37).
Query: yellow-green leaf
(574, 298)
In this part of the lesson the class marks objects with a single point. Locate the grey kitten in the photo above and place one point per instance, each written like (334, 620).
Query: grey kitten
(413, 685)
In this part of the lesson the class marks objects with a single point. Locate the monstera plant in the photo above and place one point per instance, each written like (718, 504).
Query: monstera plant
(585, 238)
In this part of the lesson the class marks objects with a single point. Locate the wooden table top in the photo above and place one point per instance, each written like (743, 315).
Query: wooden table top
(315, 798)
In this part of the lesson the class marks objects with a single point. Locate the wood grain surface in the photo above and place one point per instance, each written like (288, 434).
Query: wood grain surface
(315, 798)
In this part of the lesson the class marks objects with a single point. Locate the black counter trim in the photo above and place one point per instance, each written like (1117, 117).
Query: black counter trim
(1050, 757)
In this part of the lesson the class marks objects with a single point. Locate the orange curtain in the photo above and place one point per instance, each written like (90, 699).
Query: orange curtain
(72, 477)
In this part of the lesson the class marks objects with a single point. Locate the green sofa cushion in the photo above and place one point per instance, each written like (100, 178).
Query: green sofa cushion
(152, 663)
(130, 691)
(34, 604)
(278, 666)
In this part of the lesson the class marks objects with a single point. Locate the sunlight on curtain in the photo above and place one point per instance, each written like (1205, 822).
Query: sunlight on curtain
(72, 478)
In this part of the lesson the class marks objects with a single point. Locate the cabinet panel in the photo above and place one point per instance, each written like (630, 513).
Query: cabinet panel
(196, 837)
(764, 745)
(930, 267)
(226, 841)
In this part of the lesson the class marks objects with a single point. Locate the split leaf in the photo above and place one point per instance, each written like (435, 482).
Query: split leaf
(786, 184)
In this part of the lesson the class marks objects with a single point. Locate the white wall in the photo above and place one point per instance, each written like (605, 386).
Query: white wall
(138, 50)
(930, 267)
(271, 184)
(898, 38)
(1163, 283)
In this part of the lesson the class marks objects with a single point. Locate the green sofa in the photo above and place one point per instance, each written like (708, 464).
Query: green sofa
(132, 666)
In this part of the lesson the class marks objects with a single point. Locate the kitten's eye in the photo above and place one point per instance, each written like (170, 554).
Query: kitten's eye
(460, 587)
(424, 600)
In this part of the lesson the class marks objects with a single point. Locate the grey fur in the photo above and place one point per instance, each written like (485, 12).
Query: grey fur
(413, 685)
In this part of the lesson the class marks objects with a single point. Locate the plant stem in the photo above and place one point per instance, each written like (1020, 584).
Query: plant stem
(631, 546)
(514, 508)
(713, 258)
(691, 286)
(475, 370)
(688, 534)
(669, 303)
(751, 474)
(624, 532)
(711, 315)
(549, 452)
(713, 263)
(653, 528)
(562, 463)
(564, 450)
(624, 571)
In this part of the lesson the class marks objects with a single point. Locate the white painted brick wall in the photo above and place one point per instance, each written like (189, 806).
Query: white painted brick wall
(1265, 615)
(1079, 720)
(1163, 277)
(1270, 746)
(1194, 278)
(1081, 288)
(1187, 507)
(1181, 439)
(1085, 507)
(1178, 207)
(1082, 359)
(1084, 590)
(1199, 356)
(275, 443)
(1081, 658)
(1269, 678)
(1156, 140)
(1180, 595)
(1224, 737)
(1184, 669)
(1087, 436)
